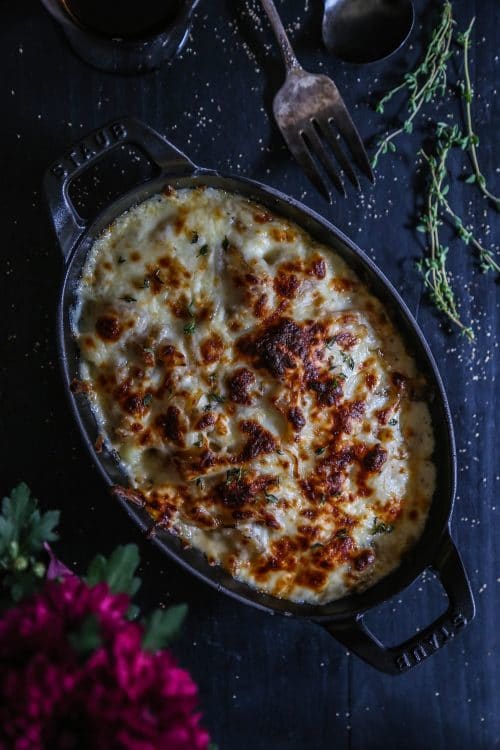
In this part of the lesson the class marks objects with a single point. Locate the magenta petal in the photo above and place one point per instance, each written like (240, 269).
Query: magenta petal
(56, 569)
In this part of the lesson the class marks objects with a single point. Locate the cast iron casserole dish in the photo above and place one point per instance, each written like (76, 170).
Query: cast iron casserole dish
(435, 548)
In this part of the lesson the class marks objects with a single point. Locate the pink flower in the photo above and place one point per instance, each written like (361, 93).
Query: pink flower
(51, 698)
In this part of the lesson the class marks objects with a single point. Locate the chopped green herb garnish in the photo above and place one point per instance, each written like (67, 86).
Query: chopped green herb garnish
(199, 482)
(215, 397)
(204, 250)
(322, 499)
(234, 475)
(316, 545)
(393, 422)
(128, 298)
(271, 498)
(225, 243)
(330, 343)
(320, 451)
(279, 452)
(379, 527)
(147, 399)
(342, 534)
(348, 360)
(194, 238)
(190, 310)
(121, 259)
(146, 283)
(189, 327)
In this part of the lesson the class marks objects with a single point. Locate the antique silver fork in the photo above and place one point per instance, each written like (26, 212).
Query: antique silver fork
(313, 119)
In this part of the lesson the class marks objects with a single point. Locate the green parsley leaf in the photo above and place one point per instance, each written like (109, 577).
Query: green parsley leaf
(215, 398)
(118, 571)
(204, 250)
(194, 238)
(121, 259)
(379, 527)
(190, 327)
(87, 638)
(348, 360)
(147, 399)
(271, 498)
(393, 422)
(163, 626)
(234, 475)
(320, 451)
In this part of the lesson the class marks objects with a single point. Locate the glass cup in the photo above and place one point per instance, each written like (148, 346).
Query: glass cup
(123, 51)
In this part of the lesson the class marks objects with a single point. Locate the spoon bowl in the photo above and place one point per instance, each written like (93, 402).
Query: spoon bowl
(363, 31)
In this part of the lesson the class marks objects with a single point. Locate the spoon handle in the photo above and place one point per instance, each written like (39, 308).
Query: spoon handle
(287, 52)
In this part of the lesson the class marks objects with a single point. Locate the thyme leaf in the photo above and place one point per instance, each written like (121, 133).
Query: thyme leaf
(424, 84)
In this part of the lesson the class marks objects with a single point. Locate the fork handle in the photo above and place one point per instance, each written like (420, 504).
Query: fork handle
(289, 58)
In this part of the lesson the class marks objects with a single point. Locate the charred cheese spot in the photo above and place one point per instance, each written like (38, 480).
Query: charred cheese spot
(212, 348)
(286, 285)
(296, 418)
(375, 459)
(238, 384)
(260, 441)
(170, 426)
(108, 328)
(259, 398)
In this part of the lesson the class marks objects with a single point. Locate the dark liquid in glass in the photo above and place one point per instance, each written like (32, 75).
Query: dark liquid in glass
(126, 18)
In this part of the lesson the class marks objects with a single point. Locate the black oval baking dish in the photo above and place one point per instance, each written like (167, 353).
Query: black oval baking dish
(435, 549)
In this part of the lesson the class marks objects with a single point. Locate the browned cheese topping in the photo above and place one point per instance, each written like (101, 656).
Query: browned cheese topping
(261, 401)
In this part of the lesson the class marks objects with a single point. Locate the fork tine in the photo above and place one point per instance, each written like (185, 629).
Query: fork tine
(301, 154)
(316, 146)
(347, 129)
(326, 131)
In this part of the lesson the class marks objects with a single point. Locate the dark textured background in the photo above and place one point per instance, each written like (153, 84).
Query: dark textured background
(266, 682)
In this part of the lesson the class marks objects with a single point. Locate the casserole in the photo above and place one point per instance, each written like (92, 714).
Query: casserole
(343, 618)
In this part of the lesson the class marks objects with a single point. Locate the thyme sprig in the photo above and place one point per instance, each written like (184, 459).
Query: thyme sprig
(464, 39)
(433, 267)
(424, 83)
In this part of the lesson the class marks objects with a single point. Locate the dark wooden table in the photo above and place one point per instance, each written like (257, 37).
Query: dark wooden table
(266, 683)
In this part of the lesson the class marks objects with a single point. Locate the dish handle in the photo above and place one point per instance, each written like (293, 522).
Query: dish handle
(68, 224)
(395, 660)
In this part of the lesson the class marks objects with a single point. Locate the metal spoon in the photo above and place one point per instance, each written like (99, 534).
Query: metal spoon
(361, 31)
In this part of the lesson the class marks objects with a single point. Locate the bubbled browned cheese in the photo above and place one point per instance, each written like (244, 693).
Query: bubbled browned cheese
(259, 398)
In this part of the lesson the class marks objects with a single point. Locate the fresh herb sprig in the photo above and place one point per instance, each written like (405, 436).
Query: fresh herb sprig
(427, 81)
(464, 39)
(433, 267)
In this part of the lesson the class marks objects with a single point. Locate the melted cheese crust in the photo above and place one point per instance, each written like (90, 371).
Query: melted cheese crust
(259, 398)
